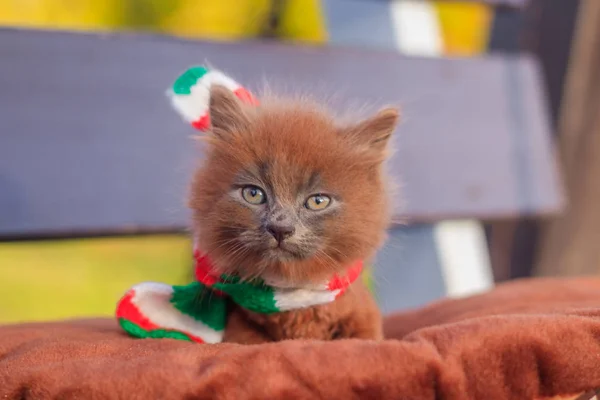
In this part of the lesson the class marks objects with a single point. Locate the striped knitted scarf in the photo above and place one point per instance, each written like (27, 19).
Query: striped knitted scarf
(198, 312)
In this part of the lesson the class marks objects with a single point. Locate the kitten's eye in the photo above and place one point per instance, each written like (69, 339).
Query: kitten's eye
(317, 202)
(254, 195)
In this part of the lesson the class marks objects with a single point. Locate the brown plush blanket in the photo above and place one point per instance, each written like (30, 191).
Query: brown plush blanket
(524, 340)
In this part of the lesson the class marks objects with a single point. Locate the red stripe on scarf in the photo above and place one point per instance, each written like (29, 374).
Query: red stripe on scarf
(202, 123)
(246, 97)
(127, 310)
(342, 282)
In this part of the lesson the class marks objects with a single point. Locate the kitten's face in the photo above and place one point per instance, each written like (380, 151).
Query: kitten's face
(288, 196)
(288, 206)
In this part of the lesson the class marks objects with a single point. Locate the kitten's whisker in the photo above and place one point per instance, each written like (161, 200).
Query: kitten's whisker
(327, 261)
(338, 252)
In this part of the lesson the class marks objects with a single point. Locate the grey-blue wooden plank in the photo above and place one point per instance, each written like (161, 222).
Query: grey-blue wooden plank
(359, 23)
(407, 271)
(88, 142)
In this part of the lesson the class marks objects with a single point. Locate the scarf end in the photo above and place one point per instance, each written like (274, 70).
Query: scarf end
(148, 310)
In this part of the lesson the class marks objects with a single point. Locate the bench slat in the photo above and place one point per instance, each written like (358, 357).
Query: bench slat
(88, 142)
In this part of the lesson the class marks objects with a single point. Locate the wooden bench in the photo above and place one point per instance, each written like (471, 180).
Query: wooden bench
(90, 146)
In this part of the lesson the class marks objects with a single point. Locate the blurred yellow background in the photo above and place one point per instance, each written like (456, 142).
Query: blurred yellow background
(222, 19)
(82, 277)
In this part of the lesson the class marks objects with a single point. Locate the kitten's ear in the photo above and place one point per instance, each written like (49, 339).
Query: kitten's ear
(227, 113)
(375, 131)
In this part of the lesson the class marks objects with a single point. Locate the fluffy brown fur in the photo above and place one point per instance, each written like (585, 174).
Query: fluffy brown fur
(285, 152)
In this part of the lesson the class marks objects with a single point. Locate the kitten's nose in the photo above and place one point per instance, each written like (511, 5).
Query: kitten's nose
(281, 231)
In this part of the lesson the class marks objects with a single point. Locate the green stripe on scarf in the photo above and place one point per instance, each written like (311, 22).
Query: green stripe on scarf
(200, 303)
(136, 331)
(253, 296)
(184, 83)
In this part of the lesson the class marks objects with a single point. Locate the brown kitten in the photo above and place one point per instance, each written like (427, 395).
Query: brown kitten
(259, 209)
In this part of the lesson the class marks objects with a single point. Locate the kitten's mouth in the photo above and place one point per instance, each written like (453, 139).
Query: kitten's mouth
(284, 251)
